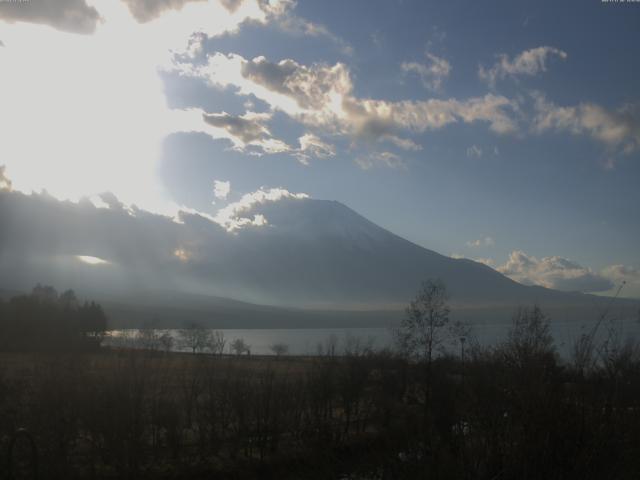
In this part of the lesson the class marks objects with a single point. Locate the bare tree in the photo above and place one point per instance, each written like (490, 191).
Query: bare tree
(166, 341)
(239, 346)
(329, 347)
(217, 342)
(424, 329)
(279, 349)
(529, 338)
(195, 337)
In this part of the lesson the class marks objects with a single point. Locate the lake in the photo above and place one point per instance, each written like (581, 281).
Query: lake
(311, 341)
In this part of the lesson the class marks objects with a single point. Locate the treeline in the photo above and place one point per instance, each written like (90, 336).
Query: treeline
(512, 411)
(47, 321)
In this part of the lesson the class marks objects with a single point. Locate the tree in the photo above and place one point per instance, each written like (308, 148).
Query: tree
(238, 346)
(279, 349)
(195, 337)
(424, 329)
(530, 337)
(166, 341)
(217, 342)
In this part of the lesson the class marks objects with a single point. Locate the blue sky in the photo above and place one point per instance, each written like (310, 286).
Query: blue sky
(507, 132)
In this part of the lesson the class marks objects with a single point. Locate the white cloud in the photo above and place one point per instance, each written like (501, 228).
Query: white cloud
(474, 151)
(403, 143)
(221, 189)
(294, 25)
(553, 272)
(321, 97)
(380, 159)
(432, 73)
(312, 146)
(379, 117)
(622, 273)
(618, 129)
(482, 242)
(530, 62)
(236, 215)
(489, 262)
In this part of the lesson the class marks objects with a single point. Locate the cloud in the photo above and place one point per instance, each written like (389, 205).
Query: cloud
(320, 96)
(45, 72)
(221, 189)
(311, 87)
(553, 272)
(530, 62)
(432, 73)
(618, 129)
(312, 146)
(294, 25)
(489, 262)
(246, 128)
(379, 117)
(246, 131)
(474, 151)
(622, 273)
(481, 242)
(237, 215)
(261, 11)
(147, 10)
(231, 5)
(380, 159)
(73, 16)
(5, 182)
(403, 143)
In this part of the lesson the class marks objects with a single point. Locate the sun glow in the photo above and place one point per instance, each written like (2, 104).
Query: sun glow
(88, 259)
(84, 114)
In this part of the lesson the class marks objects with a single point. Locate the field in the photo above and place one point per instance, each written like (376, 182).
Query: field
(141, 414)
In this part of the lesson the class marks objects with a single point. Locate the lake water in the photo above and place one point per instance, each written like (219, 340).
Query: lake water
(315, 340)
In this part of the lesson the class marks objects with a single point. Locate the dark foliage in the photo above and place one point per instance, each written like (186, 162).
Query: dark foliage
(46, 321)
(512, 411)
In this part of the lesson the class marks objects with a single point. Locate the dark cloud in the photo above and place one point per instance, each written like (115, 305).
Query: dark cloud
(147, 10)
(246, 128)
(231, 5)
(73, 16)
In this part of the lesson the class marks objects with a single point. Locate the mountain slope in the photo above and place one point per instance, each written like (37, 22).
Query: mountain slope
(312, 254)
(317, 252)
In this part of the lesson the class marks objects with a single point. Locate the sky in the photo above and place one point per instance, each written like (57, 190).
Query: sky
(504, 132)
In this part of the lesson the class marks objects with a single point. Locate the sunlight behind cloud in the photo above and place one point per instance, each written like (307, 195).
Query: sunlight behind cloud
(88, 259)
(87, 114)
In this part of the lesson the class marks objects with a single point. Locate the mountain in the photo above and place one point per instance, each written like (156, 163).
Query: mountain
(322, 253)
(306, 263)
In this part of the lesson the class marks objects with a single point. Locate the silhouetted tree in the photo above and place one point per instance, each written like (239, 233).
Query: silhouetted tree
(239, 346)
(279, 349)
(45, 321)
(195, 337)
(423, 330)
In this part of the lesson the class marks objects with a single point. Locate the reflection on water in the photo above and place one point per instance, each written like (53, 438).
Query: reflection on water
(337, 340)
